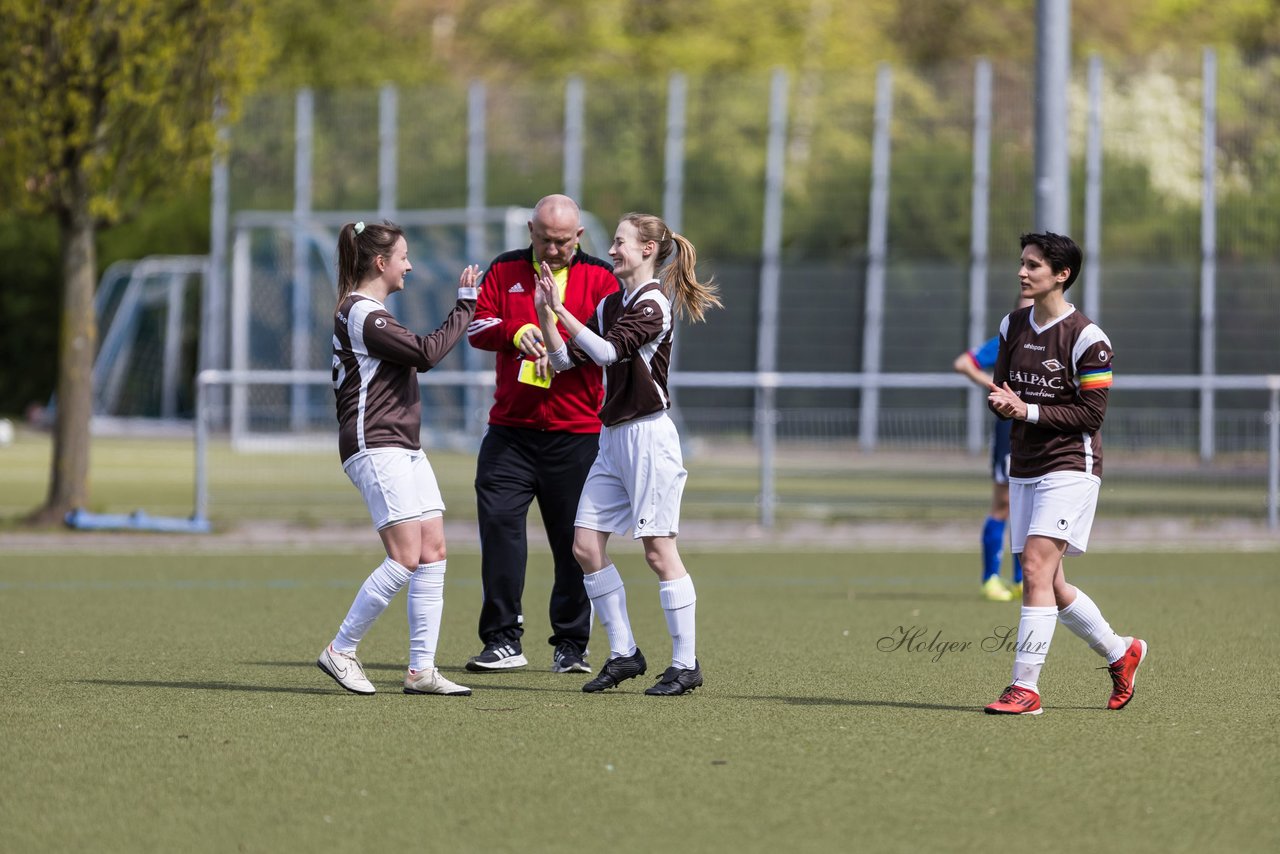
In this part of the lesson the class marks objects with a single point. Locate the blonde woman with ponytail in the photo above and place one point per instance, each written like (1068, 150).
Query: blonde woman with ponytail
(376, 363)
(638, 477)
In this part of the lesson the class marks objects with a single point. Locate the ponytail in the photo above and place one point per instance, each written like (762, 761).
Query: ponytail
(690, 297)
(358, 246)
(680, 279)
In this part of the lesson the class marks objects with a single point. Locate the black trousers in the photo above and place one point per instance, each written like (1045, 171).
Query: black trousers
(516, 465)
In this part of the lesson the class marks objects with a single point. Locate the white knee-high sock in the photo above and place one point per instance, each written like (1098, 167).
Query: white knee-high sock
(679, 605)
(1086, 622)
(609, 598)
(375, 594)
(426, 608)
(1035, 633)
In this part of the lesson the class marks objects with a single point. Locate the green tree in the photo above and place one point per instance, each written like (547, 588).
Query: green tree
(109, 105)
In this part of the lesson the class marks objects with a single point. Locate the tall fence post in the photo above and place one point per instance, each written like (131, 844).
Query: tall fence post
(388, 148)
(201, 510)
(1092, 279)
(979, 243)
(770, 277)
(673, 191)
(573, 136)
(476, 248)
(213, 301)
(300, 343)
(877, 252)
(1208, 253)
(673, 155)
(241, 265)
(1053, 75)
(1273, 456)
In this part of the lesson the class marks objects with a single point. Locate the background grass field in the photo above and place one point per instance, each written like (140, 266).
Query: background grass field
(831, 484)
(166, 701)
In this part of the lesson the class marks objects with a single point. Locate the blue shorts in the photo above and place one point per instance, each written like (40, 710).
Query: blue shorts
(1000, 449)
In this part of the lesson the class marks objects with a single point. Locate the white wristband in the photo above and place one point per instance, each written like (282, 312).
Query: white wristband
(559, 359)
(1033, 413)
(471, 294)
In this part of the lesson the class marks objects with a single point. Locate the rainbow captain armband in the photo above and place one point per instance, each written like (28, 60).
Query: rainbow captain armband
(1095, 379)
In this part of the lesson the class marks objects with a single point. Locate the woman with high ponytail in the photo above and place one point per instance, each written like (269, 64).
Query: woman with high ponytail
(638, 477)
(376, 363)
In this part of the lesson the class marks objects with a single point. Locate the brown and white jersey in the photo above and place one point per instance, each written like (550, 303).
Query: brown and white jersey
(376, 362)
(1062, 371)
(639, 326)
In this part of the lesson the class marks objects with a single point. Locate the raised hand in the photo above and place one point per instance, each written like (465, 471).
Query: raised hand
(540, 304)
(467, 282)
(548, 289)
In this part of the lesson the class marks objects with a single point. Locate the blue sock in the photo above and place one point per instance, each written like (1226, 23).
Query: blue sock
(1017, 570)
(992, 547)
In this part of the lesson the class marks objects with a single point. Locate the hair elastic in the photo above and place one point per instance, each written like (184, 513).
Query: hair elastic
(359, 227)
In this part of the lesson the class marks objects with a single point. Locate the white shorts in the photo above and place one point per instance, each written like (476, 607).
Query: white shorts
(1059, 505)
(637, 480)
(398, 485)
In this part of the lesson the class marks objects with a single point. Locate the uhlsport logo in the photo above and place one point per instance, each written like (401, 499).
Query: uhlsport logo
(1052, 364)
(379, 322)
(1062, 524)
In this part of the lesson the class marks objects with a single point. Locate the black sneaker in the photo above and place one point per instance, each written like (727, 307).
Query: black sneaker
(567, 659)
(498, 655)
(676, 680)
(615, 670)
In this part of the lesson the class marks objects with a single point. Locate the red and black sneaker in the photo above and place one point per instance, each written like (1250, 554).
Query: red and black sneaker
(1016, 700)
(1124, 672)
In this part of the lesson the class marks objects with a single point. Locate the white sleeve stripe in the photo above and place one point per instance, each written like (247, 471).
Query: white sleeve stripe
(1004, 328)
(355, 325)
(1089, 336)
(367, 364)
(480, 325)
(648, 351)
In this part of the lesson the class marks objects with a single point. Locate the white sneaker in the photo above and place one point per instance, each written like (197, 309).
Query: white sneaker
(432, 681)
(346, 670)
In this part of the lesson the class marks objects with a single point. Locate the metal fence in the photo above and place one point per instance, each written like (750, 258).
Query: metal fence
(862, 225)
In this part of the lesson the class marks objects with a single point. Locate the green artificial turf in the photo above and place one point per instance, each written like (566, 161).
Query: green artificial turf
(162, 702)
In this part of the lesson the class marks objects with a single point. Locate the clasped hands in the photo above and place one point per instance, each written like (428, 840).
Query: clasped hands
(1005, 402)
